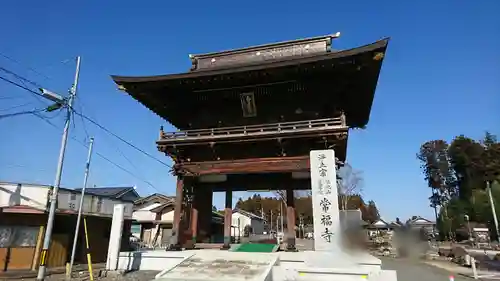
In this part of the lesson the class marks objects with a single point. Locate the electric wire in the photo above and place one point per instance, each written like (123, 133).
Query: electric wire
(19, 77)
(15, 106)
(81, 106)
(82, 116)
(79, 102)
(101, 155)
(24, 81)
(123, 140)
(2, 116)
(95, 123)
(9, 98)
(10, 166)
(21, 86)
(19, 63)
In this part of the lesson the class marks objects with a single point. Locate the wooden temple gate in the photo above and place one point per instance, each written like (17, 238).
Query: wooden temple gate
(248, 118)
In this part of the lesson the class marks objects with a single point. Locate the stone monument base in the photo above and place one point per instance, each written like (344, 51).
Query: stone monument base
(208, 265)
(316, 265)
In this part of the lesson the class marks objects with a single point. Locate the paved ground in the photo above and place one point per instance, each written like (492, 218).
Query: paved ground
(304, 244)
(408, 270)
(415, 270)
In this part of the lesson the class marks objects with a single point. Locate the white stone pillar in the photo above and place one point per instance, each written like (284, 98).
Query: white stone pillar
(325, 205)
(115, 237)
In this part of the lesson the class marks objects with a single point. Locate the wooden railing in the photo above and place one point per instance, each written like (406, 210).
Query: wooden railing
(256, 130)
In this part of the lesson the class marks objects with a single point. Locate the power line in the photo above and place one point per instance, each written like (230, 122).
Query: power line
(86, 118)
(23, 81)
(80, 104)
(21, 113)
(13, 166)
(93, 122)
(15, 106)
(20, 77)
(9, 98)
(21, 86)
(19, 63)
(123, 140)
(100, 155)
(81, 118)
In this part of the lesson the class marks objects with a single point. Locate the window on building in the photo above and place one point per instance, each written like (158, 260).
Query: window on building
(18, 236)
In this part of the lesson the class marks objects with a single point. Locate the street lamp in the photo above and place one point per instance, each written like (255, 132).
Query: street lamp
(58, 99)
(51, 96)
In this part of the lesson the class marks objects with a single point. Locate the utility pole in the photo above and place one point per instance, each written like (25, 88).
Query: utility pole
(301, 226)
(435, 211)
(80, 208)
(53, 198)
(271, 221)
(493, 210)
(281, 217)
(277, 224)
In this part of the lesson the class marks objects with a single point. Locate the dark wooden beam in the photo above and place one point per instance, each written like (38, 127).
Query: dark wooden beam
(254, 165)
(258, 182)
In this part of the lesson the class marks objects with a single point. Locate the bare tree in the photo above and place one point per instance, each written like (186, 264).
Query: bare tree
(349, 183)
(281, 194)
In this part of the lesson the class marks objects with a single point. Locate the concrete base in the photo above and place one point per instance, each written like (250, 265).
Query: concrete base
(313, 265)
(174, 247)
(312, 259)
(156, 260)
(222, 266)
(209, 265)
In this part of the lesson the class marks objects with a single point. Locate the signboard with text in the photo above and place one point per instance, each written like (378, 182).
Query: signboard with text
(324, 200)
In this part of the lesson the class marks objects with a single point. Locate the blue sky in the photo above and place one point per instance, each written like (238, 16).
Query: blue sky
(441, 78)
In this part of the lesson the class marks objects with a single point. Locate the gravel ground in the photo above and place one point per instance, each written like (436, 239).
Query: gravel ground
(407, 270)
(132, 276)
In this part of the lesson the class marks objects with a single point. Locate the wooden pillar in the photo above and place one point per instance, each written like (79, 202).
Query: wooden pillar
(195, 205)
(290, 220)
(38, 248)
(204, 207)
(176, 231)
(228, 212)
(208, 218)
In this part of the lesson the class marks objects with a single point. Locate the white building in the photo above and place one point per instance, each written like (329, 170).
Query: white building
(154, 219)
(29, 198)
(23, 218)
(241, 219)
(378, 227)
(418, 222)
